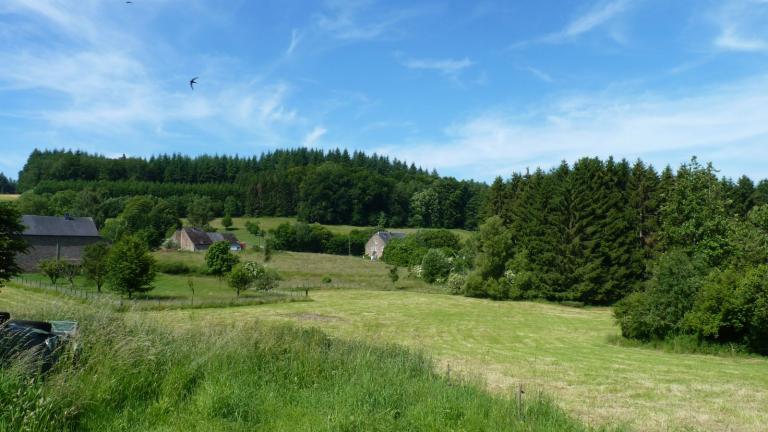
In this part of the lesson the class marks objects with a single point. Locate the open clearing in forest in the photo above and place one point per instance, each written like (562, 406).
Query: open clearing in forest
(8, 197)
(269, 223)
(561, 351)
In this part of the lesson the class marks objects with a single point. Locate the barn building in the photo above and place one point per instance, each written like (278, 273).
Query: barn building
(195, 239)
(55, 237)
(374, 248)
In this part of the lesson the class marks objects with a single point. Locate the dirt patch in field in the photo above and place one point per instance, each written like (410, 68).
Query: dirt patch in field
(309, 316)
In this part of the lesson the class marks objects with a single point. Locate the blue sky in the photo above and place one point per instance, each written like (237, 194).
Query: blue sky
(473, 89)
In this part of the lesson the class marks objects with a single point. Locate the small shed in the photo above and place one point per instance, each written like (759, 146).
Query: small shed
(195, 239)
(374, 248)
(56, 237)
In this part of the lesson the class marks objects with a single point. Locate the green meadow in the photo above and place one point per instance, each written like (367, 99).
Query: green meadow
(561, 351)
(570, 357)
(138, 374)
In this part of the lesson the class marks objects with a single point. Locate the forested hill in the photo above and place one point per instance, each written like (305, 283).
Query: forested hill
(333, 187)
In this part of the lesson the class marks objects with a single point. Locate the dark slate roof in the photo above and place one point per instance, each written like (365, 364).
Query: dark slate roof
(197, 236)
(215, 236)
(388, 235)
(59, 226)
(201, 238)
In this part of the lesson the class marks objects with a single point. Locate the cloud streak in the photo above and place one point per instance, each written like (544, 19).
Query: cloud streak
(597, 16)
(350, 20)
(742, 26)
(314, 136)
(448, 67)
(722, 119)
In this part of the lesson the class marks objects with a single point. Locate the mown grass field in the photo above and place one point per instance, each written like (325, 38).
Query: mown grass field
(134, 375)
(8, 197)
(561, 351)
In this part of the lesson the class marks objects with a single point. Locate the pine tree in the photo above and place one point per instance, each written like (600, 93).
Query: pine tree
(643, 203)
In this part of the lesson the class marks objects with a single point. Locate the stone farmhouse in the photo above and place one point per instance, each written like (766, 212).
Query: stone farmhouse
(195, 239)
(374, 248)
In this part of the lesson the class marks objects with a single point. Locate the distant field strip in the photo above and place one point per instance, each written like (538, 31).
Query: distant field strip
(559, 350)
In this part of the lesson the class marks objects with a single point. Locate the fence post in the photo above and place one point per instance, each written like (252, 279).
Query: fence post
(520, 393)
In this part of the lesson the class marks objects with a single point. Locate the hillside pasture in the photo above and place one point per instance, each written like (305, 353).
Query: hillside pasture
(8, 197)
(269, 223)
(561, 351)
(307, 270)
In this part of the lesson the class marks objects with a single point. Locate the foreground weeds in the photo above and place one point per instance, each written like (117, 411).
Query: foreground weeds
(133, 375)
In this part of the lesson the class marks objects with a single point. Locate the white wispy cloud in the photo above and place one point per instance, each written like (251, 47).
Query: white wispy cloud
(742, 26)
(109, 82)
(538, 73)
(728, 118)
(598, 15)
(295, 40)
(354, 20)
(449, 67)
(311, 138)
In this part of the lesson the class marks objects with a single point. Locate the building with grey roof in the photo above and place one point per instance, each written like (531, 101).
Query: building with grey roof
(374, 248)
(195, 239)
(56, 237)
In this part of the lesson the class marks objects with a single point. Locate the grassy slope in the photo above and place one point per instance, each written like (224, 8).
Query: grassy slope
(133, 376)
(561, 350)
(300, 269)
(8, 197)
(269, 223)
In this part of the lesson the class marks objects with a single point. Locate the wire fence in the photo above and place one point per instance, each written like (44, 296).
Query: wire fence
(272, 296)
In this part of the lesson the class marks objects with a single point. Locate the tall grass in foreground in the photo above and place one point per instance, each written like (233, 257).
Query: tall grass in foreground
(133, 375)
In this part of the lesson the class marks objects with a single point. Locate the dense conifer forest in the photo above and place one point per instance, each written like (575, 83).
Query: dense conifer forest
(333, 187)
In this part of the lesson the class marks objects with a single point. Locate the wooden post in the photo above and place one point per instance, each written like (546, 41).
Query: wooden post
(520, 393)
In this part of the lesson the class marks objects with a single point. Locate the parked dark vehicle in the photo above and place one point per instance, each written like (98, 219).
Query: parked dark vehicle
(43, 341)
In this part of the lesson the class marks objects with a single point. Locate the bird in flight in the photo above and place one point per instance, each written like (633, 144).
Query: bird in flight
(192, 82)
(129, 2)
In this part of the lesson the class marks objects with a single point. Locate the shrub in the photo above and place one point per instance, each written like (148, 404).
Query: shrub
(658, 310)
(393, 274)
(253, 227)
(52, 268)
(226, 222)
(438, 239)
(455, 283)
(475, 286)
(131, 268)
(240, 278)
(301, 237)
(435, 265)
(95, 263)
(404, 252)
(219, 259)
(732, 308)
(497, 289)
(327, 279)
(70, 271)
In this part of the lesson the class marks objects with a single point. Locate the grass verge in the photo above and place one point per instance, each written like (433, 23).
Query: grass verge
(134, 375)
